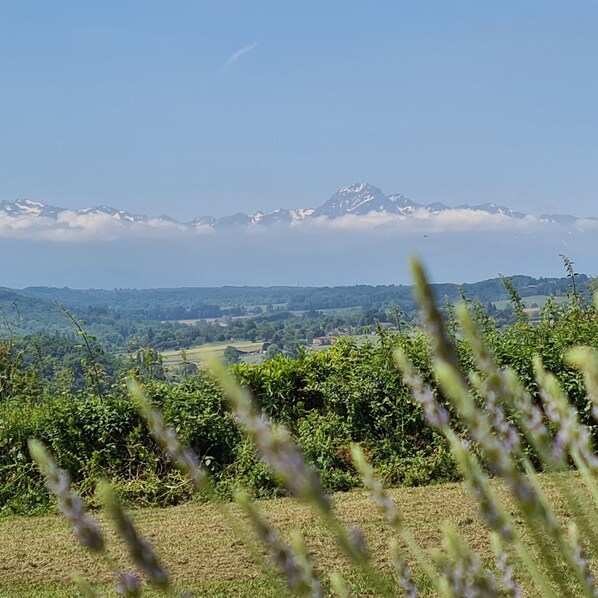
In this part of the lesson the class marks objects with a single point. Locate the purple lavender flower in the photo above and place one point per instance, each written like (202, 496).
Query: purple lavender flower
(510, 587)
(275, 446)
(436, 415)
(140, 550)
(184, 458)
(403, 573)
(572, 436)
(586, 360)
(127, 584)
(70, 505)
(580, 557)
(296, 567)
(465, 575)
(377, 492)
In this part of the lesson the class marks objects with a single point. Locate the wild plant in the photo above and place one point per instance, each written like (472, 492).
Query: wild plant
(496, 431)
(92, 349)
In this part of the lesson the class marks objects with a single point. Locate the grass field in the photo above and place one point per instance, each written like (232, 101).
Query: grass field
(216, 351)
(539, 300)
(207, 352)
(39, 554)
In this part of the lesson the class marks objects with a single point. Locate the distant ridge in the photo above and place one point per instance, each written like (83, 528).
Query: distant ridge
(358, 200)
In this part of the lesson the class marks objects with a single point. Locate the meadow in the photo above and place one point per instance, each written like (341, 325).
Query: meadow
(207, 352)
(204, 555)
(532, 300)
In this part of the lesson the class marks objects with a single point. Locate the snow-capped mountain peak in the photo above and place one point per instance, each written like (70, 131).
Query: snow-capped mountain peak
(301, 214)
(114, 213)
(358, 200)
(26, 207)
(355, 200)
(494, 208)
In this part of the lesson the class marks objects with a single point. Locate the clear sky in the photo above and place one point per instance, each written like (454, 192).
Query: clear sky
(211, 107)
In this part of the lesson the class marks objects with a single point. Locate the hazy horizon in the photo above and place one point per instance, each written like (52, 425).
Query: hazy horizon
(340, 259)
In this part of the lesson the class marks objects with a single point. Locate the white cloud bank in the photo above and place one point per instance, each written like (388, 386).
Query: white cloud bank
(455, 220)
(71, 226)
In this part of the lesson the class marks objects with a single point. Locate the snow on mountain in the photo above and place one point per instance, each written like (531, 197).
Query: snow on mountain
(362, 198)
(116, 214)
(271, 218)
(436, 208)
(255, 219)
(203, 221)
(301, 214)
(493, 208)
(559, 218)
(25, 207)
(358, 200)
(238, 219)
(403, 205)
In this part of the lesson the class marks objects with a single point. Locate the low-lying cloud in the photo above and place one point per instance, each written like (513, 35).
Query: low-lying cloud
(70, 226)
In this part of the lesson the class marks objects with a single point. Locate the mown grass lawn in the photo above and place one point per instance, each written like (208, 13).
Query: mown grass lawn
(208, 352)
(539, 300)
(39, 554)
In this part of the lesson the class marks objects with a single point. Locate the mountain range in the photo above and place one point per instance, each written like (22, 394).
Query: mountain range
(358, 200)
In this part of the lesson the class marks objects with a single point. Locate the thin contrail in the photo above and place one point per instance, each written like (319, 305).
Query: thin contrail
(236, 55)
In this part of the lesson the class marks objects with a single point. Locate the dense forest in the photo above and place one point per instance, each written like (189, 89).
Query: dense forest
(123, 319)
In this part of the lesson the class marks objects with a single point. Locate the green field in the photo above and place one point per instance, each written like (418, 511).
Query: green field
(204, 353)
(209, 351)
(539, 300)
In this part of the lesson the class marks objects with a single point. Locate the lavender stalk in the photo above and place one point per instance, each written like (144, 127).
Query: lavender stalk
(140, 550)
(586, 361)
(510, 587)
(86, 530)
(296, 566)
(166, 437)
(488, 505)
(403, 573)
(390, 511)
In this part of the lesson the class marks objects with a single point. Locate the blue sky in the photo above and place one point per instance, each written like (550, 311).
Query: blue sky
(154, 106)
